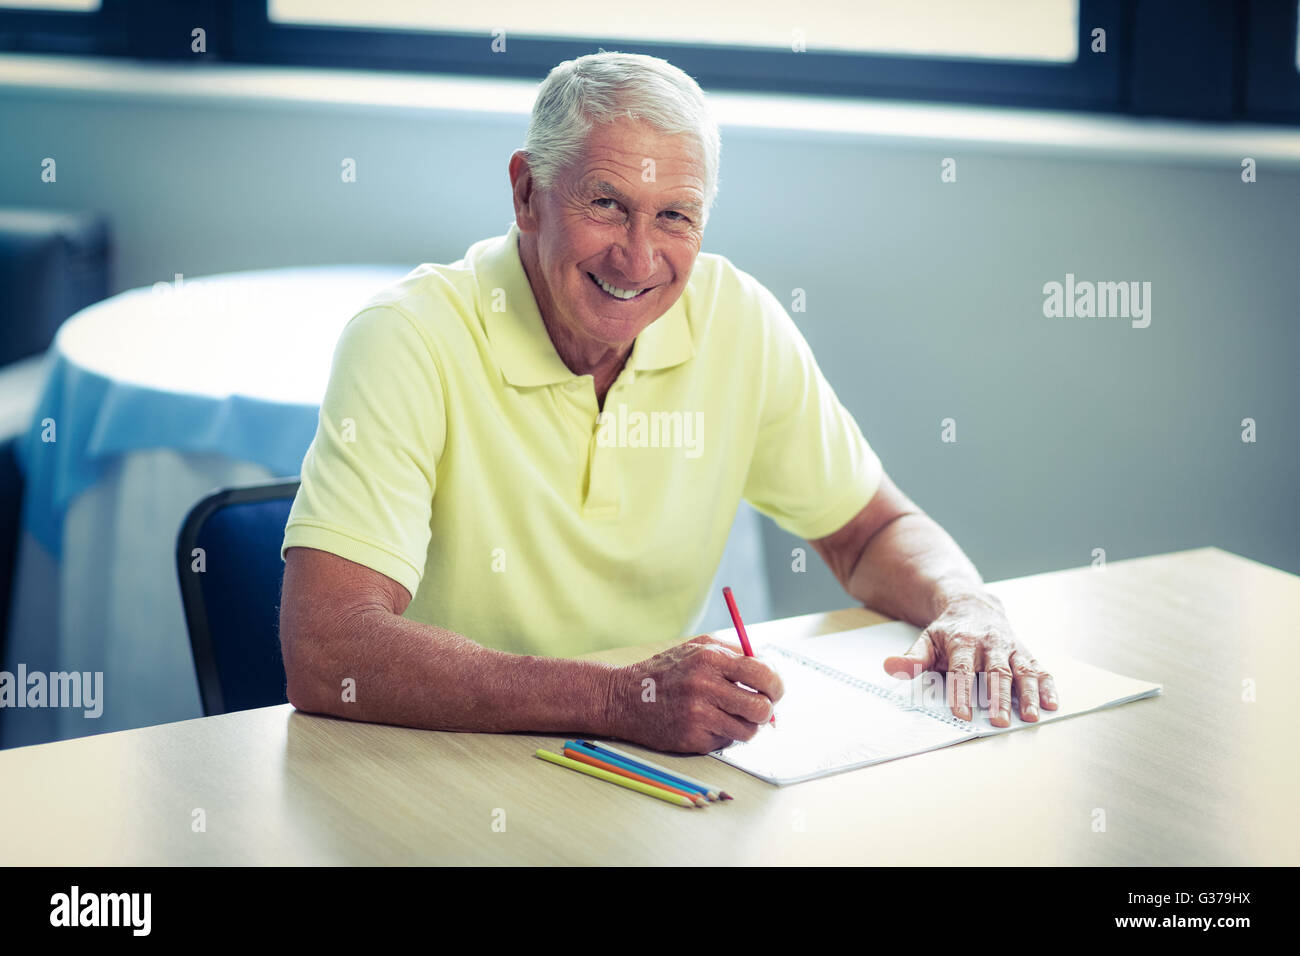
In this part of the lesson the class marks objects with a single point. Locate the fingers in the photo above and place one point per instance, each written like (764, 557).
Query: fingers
(734, 728)
(920, 657)
(1027, 694)
(751, 672)
(746, 705)
(1034, 686)
(715, 725)
(961, 680)
(1000, 680)
(1047, 691)
(715, 711)
(1026, 672)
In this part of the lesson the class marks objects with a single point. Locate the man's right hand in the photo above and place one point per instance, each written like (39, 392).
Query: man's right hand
(686, 699)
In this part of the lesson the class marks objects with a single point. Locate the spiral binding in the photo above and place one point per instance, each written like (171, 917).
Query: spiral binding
(871, 688)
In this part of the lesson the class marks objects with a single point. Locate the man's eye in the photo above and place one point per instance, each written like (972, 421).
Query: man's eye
(605, 199)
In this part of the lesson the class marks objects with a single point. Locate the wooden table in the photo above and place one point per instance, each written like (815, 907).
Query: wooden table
(1197, 776)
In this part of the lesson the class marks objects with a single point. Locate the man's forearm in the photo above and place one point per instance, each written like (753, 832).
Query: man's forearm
(415, 675)
(913, 570)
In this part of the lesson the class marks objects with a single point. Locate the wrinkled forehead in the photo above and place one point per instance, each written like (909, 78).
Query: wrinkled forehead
(637, 148)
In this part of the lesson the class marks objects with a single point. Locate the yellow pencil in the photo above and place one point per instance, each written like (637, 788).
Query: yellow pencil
(636, 785)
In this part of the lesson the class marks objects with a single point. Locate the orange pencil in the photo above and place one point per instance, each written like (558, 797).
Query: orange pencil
(587, 759)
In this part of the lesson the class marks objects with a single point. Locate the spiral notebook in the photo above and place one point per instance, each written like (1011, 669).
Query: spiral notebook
(841, 711)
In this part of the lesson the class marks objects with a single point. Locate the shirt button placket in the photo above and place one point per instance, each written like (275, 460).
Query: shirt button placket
(602, 488)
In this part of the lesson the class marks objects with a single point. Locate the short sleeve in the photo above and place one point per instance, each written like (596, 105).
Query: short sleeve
(812, 470)
(369, 476)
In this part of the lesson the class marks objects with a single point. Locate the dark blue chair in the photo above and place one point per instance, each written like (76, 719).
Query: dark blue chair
(228, 562)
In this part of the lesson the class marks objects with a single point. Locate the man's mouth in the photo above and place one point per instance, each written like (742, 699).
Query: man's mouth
(614, 292)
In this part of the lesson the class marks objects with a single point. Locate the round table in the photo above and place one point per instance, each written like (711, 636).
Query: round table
(151, 400)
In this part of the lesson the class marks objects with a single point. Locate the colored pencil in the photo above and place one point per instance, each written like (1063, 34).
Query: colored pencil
(712, 792)
(740, 630)
(574, 753)
(660, 777)
(605, 775)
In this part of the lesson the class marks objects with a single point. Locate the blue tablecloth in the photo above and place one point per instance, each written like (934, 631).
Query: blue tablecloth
(92, 415)
(96, 419)
(154, 398)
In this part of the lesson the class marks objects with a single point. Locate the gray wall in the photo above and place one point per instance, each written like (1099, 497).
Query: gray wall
(924, 299)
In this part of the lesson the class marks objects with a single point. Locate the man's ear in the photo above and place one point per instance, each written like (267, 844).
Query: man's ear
(525, 196)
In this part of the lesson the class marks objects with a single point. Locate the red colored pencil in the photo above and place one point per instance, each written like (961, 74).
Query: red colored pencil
(740, 629)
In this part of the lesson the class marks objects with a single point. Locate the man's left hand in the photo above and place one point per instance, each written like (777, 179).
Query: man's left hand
(973, 636)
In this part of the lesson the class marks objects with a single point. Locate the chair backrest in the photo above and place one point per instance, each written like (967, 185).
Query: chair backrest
(228, 563)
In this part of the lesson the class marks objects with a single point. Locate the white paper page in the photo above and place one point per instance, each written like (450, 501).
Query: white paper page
(825, 725)
(1081, 687)
(828, 723)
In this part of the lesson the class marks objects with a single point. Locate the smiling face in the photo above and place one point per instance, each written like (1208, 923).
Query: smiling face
(606, 252)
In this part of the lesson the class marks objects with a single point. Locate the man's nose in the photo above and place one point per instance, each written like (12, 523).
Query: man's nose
(637, 259)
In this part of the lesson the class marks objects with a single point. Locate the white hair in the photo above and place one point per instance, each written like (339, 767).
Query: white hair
(602, 87)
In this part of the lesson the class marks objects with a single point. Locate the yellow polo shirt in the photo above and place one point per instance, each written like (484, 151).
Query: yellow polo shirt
(459, 456)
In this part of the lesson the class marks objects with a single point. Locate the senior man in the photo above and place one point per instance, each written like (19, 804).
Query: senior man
(469, 520)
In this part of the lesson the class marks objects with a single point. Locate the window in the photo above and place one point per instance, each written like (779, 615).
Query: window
(1272, 54)
(59, 26)
(76, 6)
(1197, 59)
(1030, 30)
(1018, 52)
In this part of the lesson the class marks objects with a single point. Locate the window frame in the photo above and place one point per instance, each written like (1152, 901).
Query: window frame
(1271, 87)
(1091, 82)
(94, 32)
(1258, 60)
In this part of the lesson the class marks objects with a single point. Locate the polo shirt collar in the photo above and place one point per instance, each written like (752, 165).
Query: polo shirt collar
(523, 347)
